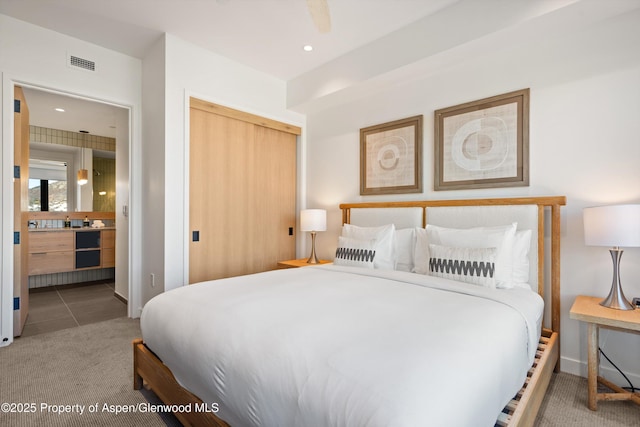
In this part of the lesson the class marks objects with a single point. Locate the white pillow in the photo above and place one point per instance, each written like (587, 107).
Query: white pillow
(500, 237)
(405, 244)
(355, 252)
(421, 252)
(469, 265)
(521, 247)
(385, 242)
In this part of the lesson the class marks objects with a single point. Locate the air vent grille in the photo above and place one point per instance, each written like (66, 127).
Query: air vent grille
(85, 64)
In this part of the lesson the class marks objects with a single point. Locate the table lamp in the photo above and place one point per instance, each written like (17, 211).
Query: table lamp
(313, 220)
(613, 226)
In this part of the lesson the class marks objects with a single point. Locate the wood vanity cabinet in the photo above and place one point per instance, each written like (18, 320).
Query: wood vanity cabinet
(51, 252)
(108, 248)
(58, 251)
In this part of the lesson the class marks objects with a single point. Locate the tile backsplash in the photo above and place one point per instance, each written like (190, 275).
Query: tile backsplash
(73, 139)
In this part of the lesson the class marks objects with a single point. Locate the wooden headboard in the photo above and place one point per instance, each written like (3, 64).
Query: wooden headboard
(418, 215)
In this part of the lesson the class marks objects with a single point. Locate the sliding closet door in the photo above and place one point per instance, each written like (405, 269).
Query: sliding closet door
(275, 185)
(242, 195)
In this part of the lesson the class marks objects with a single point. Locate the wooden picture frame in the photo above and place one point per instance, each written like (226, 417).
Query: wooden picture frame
(391, 157)
(483, 144)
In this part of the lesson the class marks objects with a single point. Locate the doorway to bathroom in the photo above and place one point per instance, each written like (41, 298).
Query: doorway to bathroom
(68, 134)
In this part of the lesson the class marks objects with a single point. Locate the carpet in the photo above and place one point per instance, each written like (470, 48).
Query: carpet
(565, 405)
(75, 377)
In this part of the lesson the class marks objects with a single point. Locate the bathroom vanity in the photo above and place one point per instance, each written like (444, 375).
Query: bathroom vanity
(68, 249)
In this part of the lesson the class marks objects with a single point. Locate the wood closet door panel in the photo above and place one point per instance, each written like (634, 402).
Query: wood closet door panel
(242, 193)
(276, 190)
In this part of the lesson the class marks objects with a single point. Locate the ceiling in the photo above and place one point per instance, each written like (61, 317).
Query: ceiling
(267, 35)
(79, 114)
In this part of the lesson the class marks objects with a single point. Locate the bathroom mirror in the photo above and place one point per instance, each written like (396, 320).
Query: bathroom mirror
(52, 177)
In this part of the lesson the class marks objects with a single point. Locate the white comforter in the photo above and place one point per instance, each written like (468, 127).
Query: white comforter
(339, 346)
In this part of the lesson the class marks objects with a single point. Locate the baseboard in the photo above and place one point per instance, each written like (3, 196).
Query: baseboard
(579, 368)
(120, 297)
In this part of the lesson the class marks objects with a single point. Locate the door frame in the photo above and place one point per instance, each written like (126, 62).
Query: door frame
(7, 203)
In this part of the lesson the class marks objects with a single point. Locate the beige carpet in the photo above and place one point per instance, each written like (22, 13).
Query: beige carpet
(565, 405)
(92, 364)
(79, 366)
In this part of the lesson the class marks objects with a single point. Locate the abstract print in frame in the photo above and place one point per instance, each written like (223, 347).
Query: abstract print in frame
(483, 144)
(391, 157)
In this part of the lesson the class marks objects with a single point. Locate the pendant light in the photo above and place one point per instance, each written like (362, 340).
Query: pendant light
(83, 174)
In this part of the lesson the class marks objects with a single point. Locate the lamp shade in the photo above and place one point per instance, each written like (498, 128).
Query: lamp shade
(313, 220)
(83, 176)
(615, 225)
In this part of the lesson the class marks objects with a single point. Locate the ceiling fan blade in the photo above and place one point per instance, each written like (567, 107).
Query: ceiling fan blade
(319, 10)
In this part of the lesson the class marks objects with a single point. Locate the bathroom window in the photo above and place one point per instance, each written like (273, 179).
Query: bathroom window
(48, 190)
(47, 195)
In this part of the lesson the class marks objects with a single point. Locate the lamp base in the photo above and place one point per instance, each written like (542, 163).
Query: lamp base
(313, 259)
(616, 298)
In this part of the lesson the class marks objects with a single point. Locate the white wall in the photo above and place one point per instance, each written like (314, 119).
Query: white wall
(34, 56)
(584, 143)
(153, 171)
(123, 243)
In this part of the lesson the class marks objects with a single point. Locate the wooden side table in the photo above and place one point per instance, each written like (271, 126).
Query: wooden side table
(588, 309)
(295, 263)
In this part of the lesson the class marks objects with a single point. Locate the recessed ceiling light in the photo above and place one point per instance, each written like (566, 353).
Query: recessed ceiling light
(307, 48)
(60, 109)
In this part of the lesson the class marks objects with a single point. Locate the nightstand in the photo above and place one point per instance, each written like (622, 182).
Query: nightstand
(295, 263)
(588, 309)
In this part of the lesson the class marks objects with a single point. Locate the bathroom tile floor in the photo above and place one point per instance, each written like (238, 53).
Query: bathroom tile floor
(61, 307)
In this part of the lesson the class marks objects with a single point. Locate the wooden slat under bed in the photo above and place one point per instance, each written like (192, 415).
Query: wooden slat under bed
(521, 411)
(523, 408)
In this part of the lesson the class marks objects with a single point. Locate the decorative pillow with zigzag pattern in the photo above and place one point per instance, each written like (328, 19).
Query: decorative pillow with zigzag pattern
(385, 242)
(499, 237)
(469, 265)
(355, 252)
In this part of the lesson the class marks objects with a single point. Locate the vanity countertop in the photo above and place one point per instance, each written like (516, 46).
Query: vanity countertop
(70, 229)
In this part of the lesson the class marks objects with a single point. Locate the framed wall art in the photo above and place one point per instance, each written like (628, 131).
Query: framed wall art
(391, 157)
(483, 144)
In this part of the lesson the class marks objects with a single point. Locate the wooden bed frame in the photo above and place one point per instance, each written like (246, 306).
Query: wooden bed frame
(150, 372)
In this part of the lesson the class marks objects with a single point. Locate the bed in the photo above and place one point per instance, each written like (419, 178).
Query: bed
(363, 343)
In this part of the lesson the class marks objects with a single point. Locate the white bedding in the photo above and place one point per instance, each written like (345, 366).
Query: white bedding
(344, 346)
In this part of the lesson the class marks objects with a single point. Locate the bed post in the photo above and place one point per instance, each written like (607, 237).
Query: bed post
(346, 216)
(555, 274)
(541, 277)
